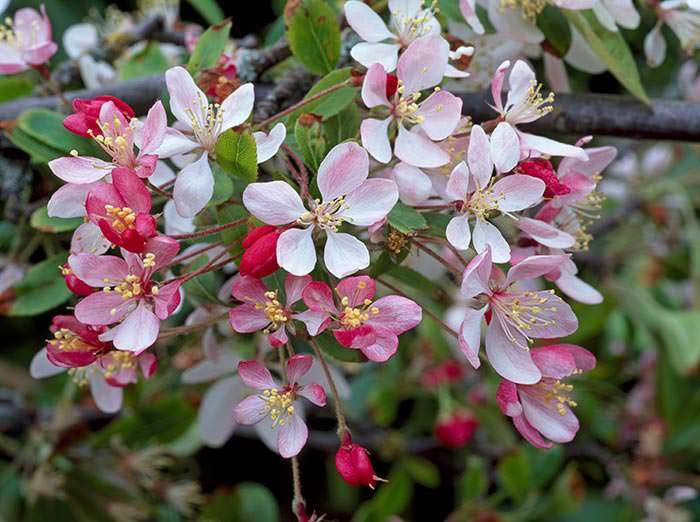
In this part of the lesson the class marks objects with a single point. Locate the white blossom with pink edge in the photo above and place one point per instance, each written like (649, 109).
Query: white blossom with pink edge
(477, 196)
(683, 18)
(26, 41)
(420, 67)
(514, 316)
(347, 196)
(198, 127)
(525, 104)
(541, 412)
(409, 21)
(277, 403)
(81, 173)
(130, 297)
(107, 376)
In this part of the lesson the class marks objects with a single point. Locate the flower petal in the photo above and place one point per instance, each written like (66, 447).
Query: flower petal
(416, 149)
(187, 101)
(194, 187)
(507, 399)
(375, 139)
(80, 169)
(237, 106)
(294, 287)
(479, 156)
(343, 170)
(517, 192)
(292, 436)
(395, 313)
(374, 87)
(423, 64)
(267, 145)
(487, 235)
(69, 200)
(138, 330)
(470, 335)
(296, 252)
(211, 368)
(534, 266)
(370, 202)
(344, 254)
(384, 54)
(107, 398)
(458, 232)
(256, 376)
(510, 361)
(250, 410)
(441, 112)
(297, 366)
(475, 278)
(246, 318)
(356, 289)
(273, 202)
(366, 22)
(505, 147)
(544, 233)
(215, 418)
(413, 184)
(41, 367)
(546, 418)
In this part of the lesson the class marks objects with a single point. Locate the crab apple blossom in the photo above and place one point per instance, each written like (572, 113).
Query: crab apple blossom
(75, 285)
(260, 251)
(122, 210)
(409, 21)
(354, 465)
(541, 411)
(199, 125)
(514, 316)
(477, 196)
(358, 321)
(276, 403)
(116, 138)
(457, 429)
(85, 120)
(420, 67)
(683, 18)
(347, 196)
(25, 41)
(525, 104)
(262, 309)
(130, 298)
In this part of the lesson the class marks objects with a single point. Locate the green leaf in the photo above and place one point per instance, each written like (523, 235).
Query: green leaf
(209, 48)
(39, 152)
(513, 472)
(611, 48)
(46, 127)
(209, 10)
(406, 219)
(393, 497)
(314, 36)
(310, 141)
(238, 155)
(331, 103)
(41, 221)
(229, 214)
(342, 126)
(555, 28)
(41, 289)
(249, 501)
(15, 86)
(680, 331)
(223, 185)
(327, 343)
(148, 61)
(474, 483)
(422, 471)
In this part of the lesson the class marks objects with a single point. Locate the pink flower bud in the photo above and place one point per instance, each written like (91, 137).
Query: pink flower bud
(75, 285)
(87, 112)
(260, 256)
(392, 83)
(354, 466)
(457, 430)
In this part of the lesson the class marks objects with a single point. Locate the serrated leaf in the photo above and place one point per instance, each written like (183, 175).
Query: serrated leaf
(311, 143)
(314, 36)
(209, 48)
(611, 48)
(237, 154)
(333, 102)
(41, 289)
(47, 128)
(41, 221)
(148, 61)
(209, 10)
(406, 219)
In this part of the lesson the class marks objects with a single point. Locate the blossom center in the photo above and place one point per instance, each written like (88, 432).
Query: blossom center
(279, 406)
(274, 311)
(355, 317)
(524, 311)
(118, 361)
(406, 108)
(19, 39)
(529, 8)
(66, 340)
(324, 215)
(557, 391)
(408, 28)
(206, 126)
(533, 106)
(481, 202)
(116, 140)
(122, 218)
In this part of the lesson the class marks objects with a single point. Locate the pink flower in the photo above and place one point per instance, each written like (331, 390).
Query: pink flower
(409, 21)
(353, 464)
(277, 404)
(347, 196)
(262, 309)
(525, 104)
(370, 326)
(542, 410)
(421, 67)
(514, 316)
(26, 42)
(130, 297)
(199, 125)
(457, 429)
(74, 344)
(122, 210)
(85, 119)
(477, 196)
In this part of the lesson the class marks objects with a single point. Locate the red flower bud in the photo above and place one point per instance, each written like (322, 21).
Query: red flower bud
(456, 430)
(353, 464)
(260, 256)
(75, 285)
(392, 83)
(87, 111)
(542, 169)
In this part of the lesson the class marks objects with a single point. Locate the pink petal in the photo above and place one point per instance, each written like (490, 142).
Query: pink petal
(518, 192)
(416, 149)
(296, 252)
(530, 142)
(520, 81)
(413, 184)
(96, 309)
(529, 433)
(396, 314)
(167, 300)
(215, 419)
(297, 366)
(370, 202)
(294, 287)
(237, 106)
(578, 289)
(315, 393)
(375, 140)
(164, 249)
(560, 319)
(148, 364)
(544, 233)
(315, 322)
(318, 296)
(273, 202)
(186, 99)
(366, 22)
(246, 318)
(250, 410)
(374, 87)
(479, 156)
(153, 131)
(211, 368)
(356, 289)
(534, 266)
(585, 360)
(69, 200)
(95, 269)
(552, 362)
(376, 53)
(292, 437)
(441, 112)
(343, 254)
(255, 375)
(138, 330)
(423, 64)
(497, 85)
(107, 398)
(545, 418)
(505, 147)
(475, 278)
(79, 169)
(343, 170)
(249, 289)
(470, 335)
(458, 233)
(487, 235)
(384, 346)
(41, 367)
(458, 184)
(507, 399)
(194, 187)
(468, 10)
(132, 189)
(510, 361)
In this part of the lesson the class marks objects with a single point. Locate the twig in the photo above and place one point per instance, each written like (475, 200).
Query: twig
(339, 413)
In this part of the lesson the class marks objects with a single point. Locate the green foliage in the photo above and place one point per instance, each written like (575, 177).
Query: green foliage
(314, 36)
(40, 133)
(311, 142)
(249, 501)
(41, 221)
(146, 62)
(330, 104)
(327, 343)
(209, 47)
(237, 153)
(555, 28)
(209, 10)
(405, 219)
(41, 289)
(513, 473)
(15, 86)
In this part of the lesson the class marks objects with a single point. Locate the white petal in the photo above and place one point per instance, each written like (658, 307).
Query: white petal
(366, 22)
(215, 418)
(41, 367)
(268, 144)
(375, 138)
(487, 234)
(237, 106)
(194, 187)
(107, 398)
(505, 147)
(273, 202)
(458, 233)
(370, 53)
(370, 202)
(416, 149)
(344, 254)
(296, 252)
